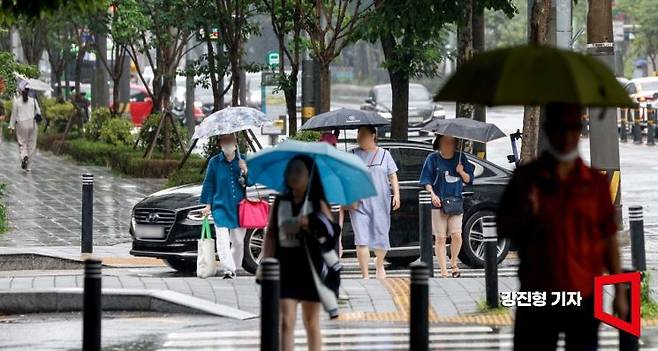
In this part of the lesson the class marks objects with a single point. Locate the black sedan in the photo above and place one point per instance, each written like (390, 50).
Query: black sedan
(167, 224)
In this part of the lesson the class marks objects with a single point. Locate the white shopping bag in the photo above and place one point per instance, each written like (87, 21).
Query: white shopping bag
(206, 266)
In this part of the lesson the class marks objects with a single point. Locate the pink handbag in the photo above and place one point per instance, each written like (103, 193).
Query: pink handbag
(253, 214)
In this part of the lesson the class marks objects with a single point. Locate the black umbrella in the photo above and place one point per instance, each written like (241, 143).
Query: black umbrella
(345, 118)
(465, 128)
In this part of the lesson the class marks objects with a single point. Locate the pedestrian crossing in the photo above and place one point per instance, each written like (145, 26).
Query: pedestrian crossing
(351, 271)
(368, 338)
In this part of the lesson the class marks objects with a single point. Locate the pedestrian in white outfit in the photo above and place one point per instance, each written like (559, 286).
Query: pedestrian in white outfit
(23, 110)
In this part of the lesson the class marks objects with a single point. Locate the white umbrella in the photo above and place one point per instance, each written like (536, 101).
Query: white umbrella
(34, 84)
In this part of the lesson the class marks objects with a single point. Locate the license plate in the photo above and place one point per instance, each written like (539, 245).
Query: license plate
(147, 231)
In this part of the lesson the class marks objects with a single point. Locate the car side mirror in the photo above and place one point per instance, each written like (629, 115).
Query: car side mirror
(511, 159)
(370, 101)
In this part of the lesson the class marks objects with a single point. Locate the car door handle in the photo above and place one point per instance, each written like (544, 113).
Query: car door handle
(467, 193)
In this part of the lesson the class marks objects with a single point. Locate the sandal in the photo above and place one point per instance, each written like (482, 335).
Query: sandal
(456, 274)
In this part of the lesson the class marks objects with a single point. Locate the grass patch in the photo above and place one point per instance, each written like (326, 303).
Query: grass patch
(484, 308)
(4, 225)
(648, 307)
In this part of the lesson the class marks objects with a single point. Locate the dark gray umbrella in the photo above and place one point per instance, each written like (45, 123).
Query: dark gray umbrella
(345, 118)
(465, 128)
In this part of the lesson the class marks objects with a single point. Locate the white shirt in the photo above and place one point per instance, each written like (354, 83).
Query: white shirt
(23, 111)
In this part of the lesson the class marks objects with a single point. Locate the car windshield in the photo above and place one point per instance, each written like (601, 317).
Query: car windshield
(649, 85)
(416, 93)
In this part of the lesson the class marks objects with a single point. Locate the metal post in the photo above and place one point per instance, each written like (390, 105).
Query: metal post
(490, 238)
(269, 305)
(623, 131)
(419, 307)
(651, 126)
(87, 239)
(636, 223)
(425, 230)
(91, 310)
(628, 341)
(637, 128)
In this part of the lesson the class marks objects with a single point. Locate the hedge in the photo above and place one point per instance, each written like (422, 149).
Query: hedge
(122, 159)
(4, 226)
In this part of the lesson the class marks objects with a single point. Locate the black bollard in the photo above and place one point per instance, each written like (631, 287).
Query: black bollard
(419, 307)
(269, 305)
(87, 239)
(585, 130)
(628, 341)
(623, 126)
(637, 128)
(91, 308)
(490, 239)
(636, 224)
(425, 237)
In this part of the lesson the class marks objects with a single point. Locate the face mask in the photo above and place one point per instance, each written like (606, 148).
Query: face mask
(563, 157)
(228, 147)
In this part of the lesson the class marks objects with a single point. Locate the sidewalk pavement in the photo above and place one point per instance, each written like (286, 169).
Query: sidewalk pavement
(44, 206)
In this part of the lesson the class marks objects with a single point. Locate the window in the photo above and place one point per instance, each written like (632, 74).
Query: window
(410, 162)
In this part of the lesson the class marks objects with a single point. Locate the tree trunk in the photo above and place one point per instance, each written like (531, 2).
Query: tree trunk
(325, 87)
(212, 68)
(400, 108)
(235, 78)
(78, 67)
(465, 49)
(539, 21)
(599, 19)
(116, 87)
(165, 93)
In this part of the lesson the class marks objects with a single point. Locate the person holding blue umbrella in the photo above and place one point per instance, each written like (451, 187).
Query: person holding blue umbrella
(302, 233)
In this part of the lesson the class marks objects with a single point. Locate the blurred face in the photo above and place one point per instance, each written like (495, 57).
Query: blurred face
(563, 130)
(228, 143)
(447, 145)
(297, 175)
(365, 138)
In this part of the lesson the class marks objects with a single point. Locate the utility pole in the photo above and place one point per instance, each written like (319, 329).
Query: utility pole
(604, 144)
(479, 111)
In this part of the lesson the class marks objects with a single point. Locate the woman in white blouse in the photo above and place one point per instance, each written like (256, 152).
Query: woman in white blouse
(23, 111)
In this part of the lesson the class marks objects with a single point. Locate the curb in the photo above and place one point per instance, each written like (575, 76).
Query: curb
(38, 261)
(70, 300)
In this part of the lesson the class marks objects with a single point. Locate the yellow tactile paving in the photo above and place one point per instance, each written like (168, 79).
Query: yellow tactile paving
(128, 261)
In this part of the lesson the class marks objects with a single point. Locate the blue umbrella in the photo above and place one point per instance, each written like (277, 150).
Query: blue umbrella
(345, 178)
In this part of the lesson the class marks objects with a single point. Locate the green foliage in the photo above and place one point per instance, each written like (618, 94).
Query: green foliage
(191, 173)
(57, 114)
(644, 16)
(484, 308)
(116, 131)
(649, 307)
(98, 118)
(9, 66)
(147, 132)
(11, 10)
(4, 226)
(503, 30)
(307, 135)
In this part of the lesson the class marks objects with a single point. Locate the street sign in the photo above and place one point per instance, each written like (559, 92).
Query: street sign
(273, 104)
(618, 31)
(272, 59)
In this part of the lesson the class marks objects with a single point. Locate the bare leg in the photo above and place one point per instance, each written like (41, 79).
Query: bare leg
(455, 247)
(288, 317)
(380, 254)
(311, 316)
(363, 255)
(440, 250)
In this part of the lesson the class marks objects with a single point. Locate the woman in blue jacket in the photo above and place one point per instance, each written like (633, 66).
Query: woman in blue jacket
(444, 174)
(223, 189)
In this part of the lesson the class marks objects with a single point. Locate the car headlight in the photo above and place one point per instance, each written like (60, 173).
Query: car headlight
(197, 215)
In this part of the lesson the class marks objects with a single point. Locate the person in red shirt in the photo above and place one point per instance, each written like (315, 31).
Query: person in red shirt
(560, 214)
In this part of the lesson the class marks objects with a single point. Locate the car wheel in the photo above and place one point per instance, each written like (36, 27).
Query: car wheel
(401, 261)
(182, 265)
(473, 245)
(253, 246)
